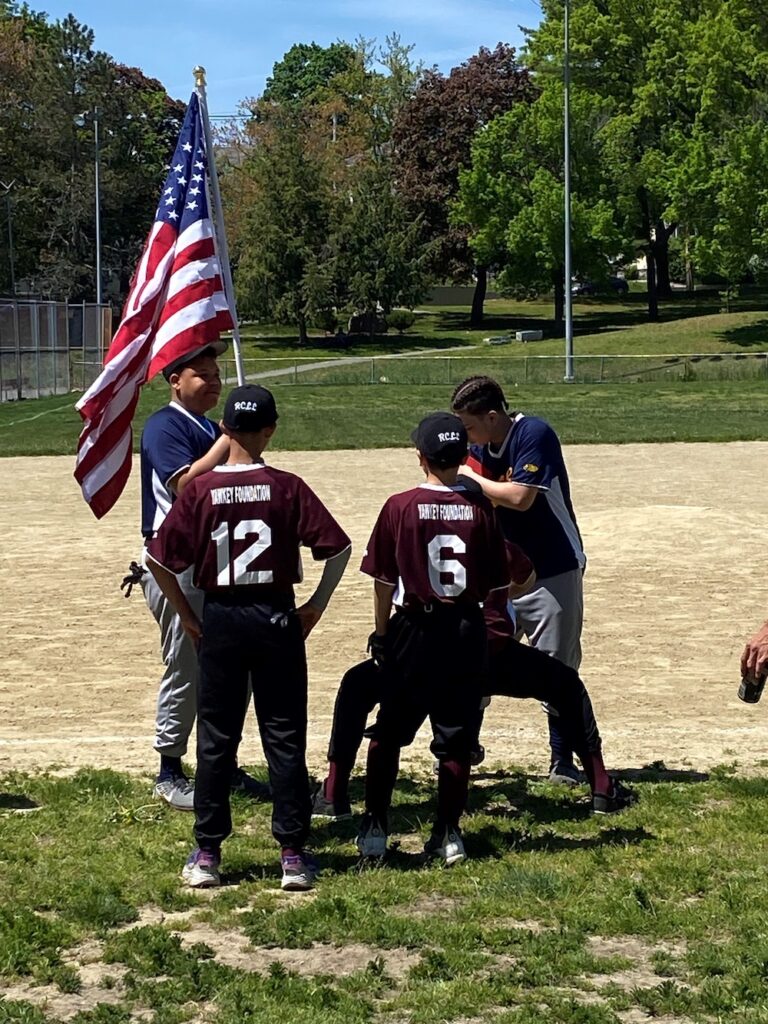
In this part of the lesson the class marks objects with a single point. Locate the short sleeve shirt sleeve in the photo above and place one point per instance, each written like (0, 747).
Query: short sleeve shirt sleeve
(317, 529)
(380, 559)
(172, 444)
(535, 454)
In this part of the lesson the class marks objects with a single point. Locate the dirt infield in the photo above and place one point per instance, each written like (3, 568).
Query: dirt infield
(677, 538)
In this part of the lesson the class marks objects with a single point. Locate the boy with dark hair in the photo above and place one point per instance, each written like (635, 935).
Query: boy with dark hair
(240, 526)
(436, 553)
(178, 443)
(514, 670)
(518, 462)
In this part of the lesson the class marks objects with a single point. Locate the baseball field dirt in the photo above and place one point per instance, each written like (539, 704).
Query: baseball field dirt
(677, 539)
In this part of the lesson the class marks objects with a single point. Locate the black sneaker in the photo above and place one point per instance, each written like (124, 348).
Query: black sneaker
(322, 808)
(618, 800)
(244, 783)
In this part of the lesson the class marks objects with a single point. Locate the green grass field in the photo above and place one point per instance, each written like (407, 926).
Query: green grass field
(658, 913)
(353, 397)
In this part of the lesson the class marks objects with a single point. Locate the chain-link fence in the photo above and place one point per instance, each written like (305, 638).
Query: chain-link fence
(37, 341)
(507, 369)
(450, 370)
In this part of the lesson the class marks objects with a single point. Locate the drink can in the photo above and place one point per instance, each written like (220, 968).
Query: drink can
(751, 689)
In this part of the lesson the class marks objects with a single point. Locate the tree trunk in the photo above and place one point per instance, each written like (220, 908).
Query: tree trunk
(653, 294)
(690, 276)
(650, 256)
(478, 299)
(558, 288)
(302, 321)
(661, 252)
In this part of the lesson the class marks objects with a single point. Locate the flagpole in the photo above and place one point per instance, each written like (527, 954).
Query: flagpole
(220, 235)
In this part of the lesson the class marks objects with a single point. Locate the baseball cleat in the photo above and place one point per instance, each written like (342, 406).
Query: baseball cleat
(328, 809)
(371, 840)
(244, 783)
(299, 871)
(446, 844)
(565, 774)
(178, 792)
(618, 800)
(202, 869)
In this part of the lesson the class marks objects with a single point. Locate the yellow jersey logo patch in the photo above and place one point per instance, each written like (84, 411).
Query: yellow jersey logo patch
(530, 468)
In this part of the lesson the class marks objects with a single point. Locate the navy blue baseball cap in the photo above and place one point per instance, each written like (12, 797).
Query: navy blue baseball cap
(249, 408)
(442, 438)
(213, 348)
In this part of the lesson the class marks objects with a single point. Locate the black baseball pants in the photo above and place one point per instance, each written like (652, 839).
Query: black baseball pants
(514, 670)
(265, 642)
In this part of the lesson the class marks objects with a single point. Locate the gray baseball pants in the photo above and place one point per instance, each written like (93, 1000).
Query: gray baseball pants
(177, 697)
(551, 616)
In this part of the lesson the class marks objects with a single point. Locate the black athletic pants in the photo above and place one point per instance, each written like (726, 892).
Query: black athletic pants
(435, 667)
(265, 641)
(514, 671)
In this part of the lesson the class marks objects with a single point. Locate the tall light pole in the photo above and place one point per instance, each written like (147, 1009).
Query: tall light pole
(81, 120)
(7, 186)
(569, 377)
(98, 201)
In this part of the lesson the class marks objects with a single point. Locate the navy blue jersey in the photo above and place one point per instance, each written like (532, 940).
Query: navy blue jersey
(547, 531)
(173, 438)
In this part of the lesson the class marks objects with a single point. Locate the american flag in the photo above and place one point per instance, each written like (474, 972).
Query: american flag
(176, 305)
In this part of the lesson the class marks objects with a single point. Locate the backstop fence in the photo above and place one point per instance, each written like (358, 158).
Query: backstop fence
(38, 340)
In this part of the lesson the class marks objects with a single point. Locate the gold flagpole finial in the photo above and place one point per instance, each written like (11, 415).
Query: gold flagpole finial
(199, 73)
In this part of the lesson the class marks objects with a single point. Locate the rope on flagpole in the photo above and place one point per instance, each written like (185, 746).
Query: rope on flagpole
(220, 235)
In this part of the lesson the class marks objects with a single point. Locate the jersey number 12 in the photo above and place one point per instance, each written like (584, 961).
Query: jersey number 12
(236, 572)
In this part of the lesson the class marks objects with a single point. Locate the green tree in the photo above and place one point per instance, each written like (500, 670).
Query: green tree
(306, 70)
(284, 243)
(432, 139)
(675, 77)
(511, 198)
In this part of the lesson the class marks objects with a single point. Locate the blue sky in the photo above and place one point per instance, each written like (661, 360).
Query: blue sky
(238, 41)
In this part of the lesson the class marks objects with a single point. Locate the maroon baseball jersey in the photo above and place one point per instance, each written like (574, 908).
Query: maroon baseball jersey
(243, 526)
(498, 622)
(437, 543)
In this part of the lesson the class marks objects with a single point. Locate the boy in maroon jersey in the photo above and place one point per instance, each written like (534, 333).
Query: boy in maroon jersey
(241, 526)
(514, 670)
(437, 553)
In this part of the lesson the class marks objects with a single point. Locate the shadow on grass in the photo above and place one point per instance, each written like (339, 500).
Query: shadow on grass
(17, 802)
(748, 336)
(356, 345)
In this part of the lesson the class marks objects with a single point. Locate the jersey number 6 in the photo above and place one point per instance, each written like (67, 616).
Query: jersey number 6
(236, 572)
(439, 565)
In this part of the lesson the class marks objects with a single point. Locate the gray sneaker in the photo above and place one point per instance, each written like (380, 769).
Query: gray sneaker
(566, 774)
(178, 793)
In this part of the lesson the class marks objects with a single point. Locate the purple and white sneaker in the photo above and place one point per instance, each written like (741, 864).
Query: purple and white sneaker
(299, 871)
(202, 869)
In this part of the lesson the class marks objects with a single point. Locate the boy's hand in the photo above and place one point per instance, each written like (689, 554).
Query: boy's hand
(309, 616)
(193, 629)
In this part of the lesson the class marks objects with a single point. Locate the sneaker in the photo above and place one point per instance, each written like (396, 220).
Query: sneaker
(566, 774)
(244, 783)
(323, 808)
(620, 798)
(202, 869)
(446, 844)
(178, 792)
(372, 838)
(299, 871)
